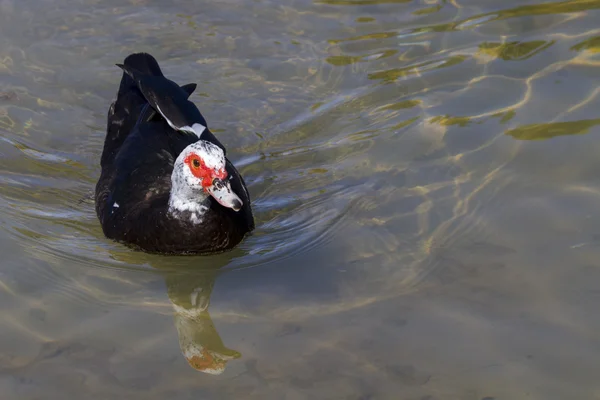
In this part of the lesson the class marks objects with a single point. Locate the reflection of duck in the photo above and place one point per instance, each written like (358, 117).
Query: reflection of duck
(199, 340)
(166, 185)
(189, 289)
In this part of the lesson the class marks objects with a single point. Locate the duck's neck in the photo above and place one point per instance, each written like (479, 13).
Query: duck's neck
(184, 198)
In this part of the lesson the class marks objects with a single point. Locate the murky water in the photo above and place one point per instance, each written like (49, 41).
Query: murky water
(425, 177)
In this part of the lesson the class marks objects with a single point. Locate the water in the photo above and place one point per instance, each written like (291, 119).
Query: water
(425, 186)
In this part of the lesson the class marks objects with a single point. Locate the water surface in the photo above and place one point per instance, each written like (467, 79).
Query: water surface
(424, 176)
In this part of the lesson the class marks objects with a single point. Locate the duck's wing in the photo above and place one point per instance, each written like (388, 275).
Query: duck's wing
(140, 172)
(148, 113)
(171, 101)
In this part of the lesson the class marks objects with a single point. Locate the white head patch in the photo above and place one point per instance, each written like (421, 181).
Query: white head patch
(187, 192)
(211, 154)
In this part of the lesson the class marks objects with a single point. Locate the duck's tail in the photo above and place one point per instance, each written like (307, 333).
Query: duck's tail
(135, 67)
(142, 63)
(125, 110)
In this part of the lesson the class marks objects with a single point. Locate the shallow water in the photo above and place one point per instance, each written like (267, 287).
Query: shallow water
(424, 180)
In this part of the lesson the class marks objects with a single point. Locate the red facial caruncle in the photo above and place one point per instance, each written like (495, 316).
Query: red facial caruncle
(202, 172)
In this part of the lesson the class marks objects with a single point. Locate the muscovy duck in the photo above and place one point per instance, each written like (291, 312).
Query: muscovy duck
(166, 185)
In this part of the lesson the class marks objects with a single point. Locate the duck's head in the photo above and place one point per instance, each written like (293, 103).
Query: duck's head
(199, 172)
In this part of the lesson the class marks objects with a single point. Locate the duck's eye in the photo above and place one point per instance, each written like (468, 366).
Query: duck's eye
(196, 163)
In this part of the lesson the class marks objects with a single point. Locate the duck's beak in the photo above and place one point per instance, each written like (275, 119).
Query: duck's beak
(221, 191)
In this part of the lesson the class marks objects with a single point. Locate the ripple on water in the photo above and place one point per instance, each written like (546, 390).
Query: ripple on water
(309, 175)
(389, 146)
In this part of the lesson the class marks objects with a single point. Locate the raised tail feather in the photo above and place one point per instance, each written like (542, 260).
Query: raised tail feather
(144, 63)
(129, 99)
(139, 62)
